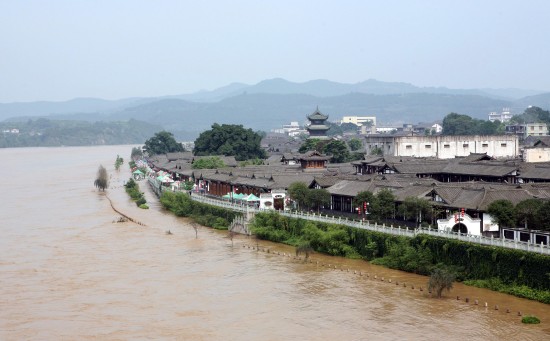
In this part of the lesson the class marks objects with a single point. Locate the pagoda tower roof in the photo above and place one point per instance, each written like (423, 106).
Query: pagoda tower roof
(317, 115)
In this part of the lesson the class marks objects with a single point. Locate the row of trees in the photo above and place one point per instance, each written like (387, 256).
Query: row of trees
(457, 124)
(339, 151)
(230, 140)
(307, 198)
(530, 213)
(224, 139)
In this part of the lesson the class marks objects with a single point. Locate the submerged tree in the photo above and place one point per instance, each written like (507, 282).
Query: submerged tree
(119, 161)
(441, 279)
(102, 179)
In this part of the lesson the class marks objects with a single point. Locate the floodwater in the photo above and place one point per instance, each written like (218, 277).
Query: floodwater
(69, 271)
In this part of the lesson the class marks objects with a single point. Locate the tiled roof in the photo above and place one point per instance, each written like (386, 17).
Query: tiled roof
(349, 188)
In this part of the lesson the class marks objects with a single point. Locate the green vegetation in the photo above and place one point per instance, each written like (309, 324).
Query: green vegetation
(532, 115)
(456, 124)
(524, 274)
(132, 188)
(102, 178)
(529, 213)
(230, 140)
(207, 215)
(338, 150)
(355, 144)
(163, 142)
(208, 163)
(523, 291)
(530, 319)
(119, 161)
(43, 132)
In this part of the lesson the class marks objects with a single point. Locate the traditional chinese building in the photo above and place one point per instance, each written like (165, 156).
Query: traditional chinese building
(317, 127)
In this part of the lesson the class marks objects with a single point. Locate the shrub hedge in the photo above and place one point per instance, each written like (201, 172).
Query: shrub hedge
(207, 215)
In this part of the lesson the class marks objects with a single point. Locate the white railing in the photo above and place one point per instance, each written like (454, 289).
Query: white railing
(399, 231)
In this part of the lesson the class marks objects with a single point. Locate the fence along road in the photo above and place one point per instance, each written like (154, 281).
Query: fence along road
(500, 242)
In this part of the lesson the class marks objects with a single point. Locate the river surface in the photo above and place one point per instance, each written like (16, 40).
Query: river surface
(69, 271)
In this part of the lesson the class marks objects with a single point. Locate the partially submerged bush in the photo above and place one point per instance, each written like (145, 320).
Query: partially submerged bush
(530, 320)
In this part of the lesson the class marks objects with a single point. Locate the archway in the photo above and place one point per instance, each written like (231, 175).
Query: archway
(460, 228)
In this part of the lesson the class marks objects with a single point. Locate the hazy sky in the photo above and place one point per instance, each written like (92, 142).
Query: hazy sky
(58, 50)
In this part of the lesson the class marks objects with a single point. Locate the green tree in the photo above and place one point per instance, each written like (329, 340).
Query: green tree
(416, 208)
(441, 279)
(317, 198)
(208, 163)
(188, 185)
(163, 142)
(365, 197)
(298, 192)
(311, 145)
(338, 150)
(230, 140)
(354, 144)
(543, 215)
(102, 179)
(119, 161)
(526, 213)
(502, 212)
(456, 124)
(384, 205)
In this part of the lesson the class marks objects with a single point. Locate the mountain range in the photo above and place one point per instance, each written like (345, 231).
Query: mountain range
(272, 103)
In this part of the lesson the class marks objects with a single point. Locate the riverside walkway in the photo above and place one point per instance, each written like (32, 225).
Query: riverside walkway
(399, 231)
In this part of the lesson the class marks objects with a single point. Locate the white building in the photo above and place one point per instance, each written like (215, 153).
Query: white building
(359, 120)
(444, 147)
(458, 222)
(504, 116)
(291, 129)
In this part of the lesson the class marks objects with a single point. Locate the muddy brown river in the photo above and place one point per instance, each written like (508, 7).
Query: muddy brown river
(68, 271)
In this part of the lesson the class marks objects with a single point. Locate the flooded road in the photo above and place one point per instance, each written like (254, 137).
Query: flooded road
(69, 271)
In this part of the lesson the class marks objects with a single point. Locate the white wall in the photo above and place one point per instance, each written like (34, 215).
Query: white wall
(536, 154)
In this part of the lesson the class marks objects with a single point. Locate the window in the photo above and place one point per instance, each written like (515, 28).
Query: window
(485, 145)
(503, 144)
(465, 145)
(408, 146)
(446, 146)
(428, 146)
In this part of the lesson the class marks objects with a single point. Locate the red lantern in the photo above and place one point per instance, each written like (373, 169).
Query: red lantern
(462, 212)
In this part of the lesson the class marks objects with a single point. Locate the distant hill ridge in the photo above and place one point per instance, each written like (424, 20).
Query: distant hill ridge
(271, 103)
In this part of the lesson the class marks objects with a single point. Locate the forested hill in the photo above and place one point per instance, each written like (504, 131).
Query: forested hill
(268, 111)
(44, 132)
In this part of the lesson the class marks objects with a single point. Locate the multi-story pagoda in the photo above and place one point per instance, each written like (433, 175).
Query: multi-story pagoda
(317, 127)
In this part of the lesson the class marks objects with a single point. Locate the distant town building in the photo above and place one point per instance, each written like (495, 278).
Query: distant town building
(292, 129)
(11, 131)
(527, 129)
(504, 116)
(443, 147)
(317, 127)
(538, 151)
(359, 120)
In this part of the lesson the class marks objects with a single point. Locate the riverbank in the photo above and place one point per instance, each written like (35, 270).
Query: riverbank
(520, 273)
